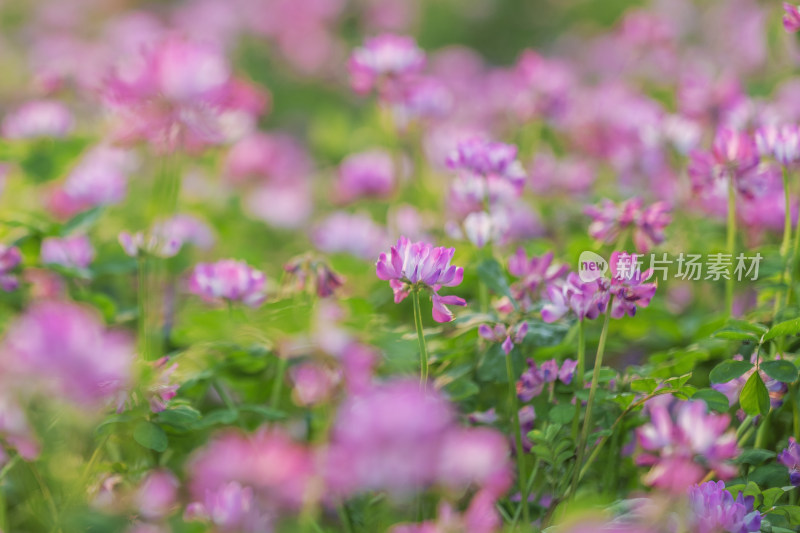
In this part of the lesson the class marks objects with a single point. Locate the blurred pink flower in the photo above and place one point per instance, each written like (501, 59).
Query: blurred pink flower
(64, 349)
(157, 495)
(10, 258)
(70, 252)
(228, 280)
(682, 442)
(355, 234)
(384, 61)
(366, 174)
(609, 220)
(791, 17)
(38, 118)
(313, 383)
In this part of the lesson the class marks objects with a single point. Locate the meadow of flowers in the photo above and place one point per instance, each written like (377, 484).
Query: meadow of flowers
(405, 266)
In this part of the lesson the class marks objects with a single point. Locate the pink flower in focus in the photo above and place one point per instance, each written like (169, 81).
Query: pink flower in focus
(74, 252)
(419, 265)
(791, 17)
(627, 285)
(65, 349)
(508, 336)
(383, 61)
(682, 442)
(229, 280)
(366, 174)
(584, 298)
(534, 273)
(39, 118)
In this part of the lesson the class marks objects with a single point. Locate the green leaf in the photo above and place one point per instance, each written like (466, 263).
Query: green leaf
(646, 385)
(790, 327)
(150, 436)
(729, 370)
(82, 221)
(771, 496)
(755, 396)
(562, 413)
(791, 512)
(733, 335)
(715, 400)
(755, 456)
(181, 417)
(267, 413)
(461, 389)
(491, 274)
(734, 324)
(781, 370)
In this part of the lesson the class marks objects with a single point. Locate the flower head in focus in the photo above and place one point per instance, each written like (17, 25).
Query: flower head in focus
(532, 382)
(508, 336)
(420, 265)
(230, 280)
(627, 285)
(584, 298)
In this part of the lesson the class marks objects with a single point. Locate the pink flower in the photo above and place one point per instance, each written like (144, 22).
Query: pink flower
(383, 61)
(262, 157)
(534, 273)
(157, 496)
(366, 174)
(65, 349)
(610, 220)
(790, 458)
(584, 298)
(504, 335)
(420, 265)
(354, 234)
(99, 178)
(15, 431)
(74, 252)
(244, 482)
(39, 118)
(178, 93)
(682, 442)
(627, 285)
(791, 17)
(313, 383)
(490, 160)
(781, 143)
(10, 257)
(229, 280)
(534, 379)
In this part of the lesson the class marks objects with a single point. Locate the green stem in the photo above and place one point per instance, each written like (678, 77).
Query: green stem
(521, 478)
(423, 350)
(731, 242)
(579, 373)
(346, 519)
(277, 387)
(142, 307)
(587, 422)
(793, 260)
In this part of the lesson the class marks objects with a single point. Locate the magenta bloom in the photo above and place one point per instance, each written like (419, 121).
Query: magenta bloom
(15, 431)
(354, 234)
(399, 438)
(627, 285)
(262, 157)
(682, 442)
(158, 245)
(790, 458)
(231, 280)
(243, 483)
(503, 334)
(10, 257)
(70, 252)
(179, 93)
(99, 178)
(491, 160)
(534, 379)
(157, 496)
(420, 265)
(39, 118)
(714, 510)
(647, 223)
(733, 155)
(584, 298)
(791, 17)
(366, 174)
(65, 349)
(781, 143)
(383, 61)
(535, 273)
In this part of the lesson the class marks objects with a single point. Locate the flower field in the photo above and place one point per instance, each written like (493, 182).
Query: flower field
(403, 266)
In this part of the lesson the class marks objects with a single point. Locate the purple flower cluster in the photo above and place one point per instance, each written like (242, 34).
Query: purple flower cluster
(790, 458)
(609, 221)
(535, 378)
(714, 510)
